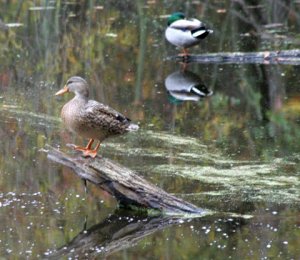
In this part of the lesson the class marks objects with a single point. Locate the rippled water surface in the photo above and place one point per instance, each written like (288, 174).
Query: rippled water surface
(235, 152)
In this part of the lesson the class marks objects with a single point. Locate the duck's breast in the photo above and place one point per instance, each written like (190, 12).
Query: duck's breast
(70, 114)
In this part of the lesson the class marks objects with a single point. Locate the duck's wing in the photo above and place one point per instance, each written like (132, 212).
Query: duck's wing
(98, 115)
(185, 24)
(196, 27)
(96, 109)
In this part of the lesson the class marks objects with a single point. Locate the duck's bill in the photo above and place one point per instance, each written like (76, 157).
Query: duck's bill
(64, 90)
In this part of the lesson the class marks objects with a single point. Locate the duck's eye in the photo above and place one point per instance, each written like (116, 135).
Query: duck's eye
(69, 82)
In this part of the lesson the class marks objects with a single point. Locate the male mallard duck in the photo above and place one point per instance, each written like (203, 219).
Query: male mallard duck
(186, 86)
(185, 33)
(89, 118)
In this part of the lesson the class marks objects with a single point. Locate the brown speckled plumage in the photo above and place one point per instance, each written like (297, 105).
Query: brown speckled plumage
(89, 118)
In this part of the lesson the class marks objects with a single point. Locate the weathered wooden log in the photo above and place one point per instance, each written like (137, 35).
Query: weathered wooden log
(130, 190)
(111, 235)
(291, 57)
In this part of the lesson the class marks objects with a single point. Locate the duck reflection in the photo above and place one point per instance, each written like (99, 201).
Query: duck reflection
(186, 86)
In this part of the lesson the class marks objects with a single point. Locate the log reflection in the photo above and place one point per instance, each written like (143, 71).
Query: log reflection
(122, 231)
(115, 233)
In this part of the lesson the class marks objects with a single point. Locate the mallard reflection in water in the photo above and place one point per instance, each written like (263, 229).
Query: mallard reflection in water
(89, 118)
(186, 86)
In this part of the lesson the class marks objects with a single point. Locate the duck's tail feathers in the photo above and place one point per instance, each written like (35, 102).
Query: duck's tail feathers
(201, 33)
(201, 91)
(132, 127)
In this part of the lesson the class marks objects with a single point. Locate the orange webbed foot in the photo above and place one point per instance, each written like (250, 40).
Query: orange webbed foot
(90, 153)
(87, 151)
(79, 148)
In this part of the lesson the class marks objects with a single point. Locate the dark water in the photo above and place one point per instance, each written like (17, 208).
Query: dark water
(236, 151)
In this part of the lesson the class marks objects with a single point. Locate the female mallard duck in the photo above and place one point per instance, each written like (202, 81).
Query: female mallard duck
(185, 33)
(89, 118)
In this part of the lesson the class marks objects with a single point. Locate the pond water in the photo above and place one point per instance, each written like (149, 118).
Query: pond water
(234, 152)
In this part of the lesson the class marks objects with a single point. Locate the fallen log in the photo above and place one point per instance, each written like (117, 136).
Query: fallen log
(289, 57)
(129, 189)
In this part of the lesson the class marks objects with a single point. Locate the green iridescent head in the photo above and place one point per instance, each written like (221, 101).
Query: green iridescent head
(174, 17)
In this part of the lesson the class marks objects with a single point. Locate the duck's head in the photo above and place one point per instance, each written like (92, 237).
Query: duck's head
(174, 17)
(77, 85)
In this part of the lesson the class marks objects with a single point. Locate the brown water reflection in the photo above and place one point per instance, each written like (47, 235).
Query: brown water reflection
(237, 150)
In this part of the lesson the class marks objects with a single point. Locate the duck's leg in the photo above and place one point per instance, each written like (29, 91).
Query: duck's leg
(185, 58)
(183, 66)
(88, 147)
(87, 151)
(184, 53)
(90, 152)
